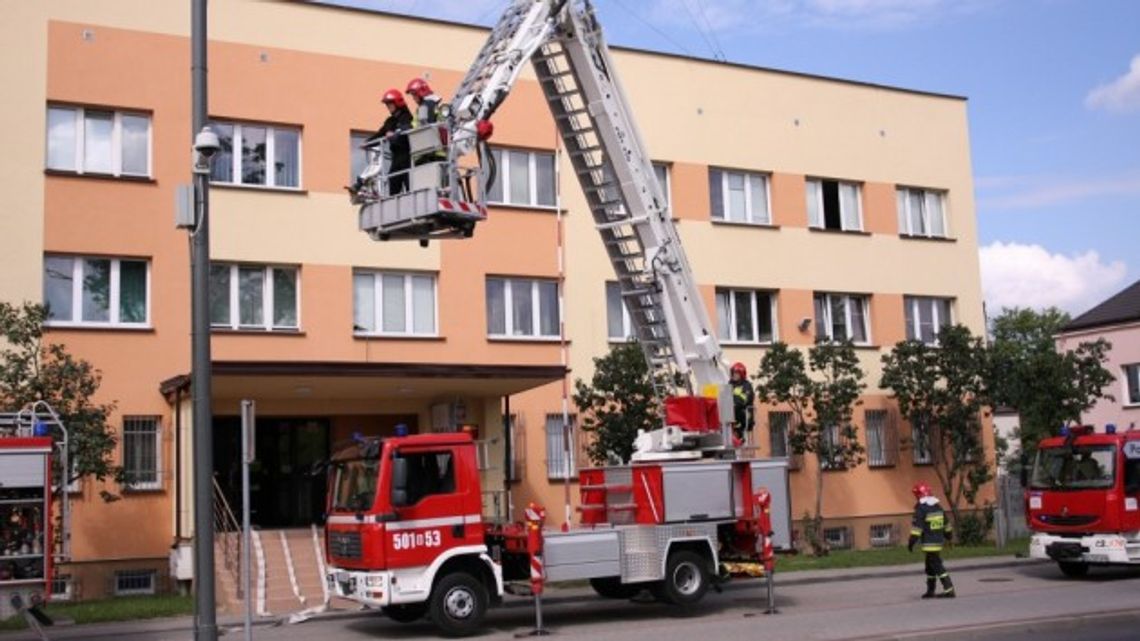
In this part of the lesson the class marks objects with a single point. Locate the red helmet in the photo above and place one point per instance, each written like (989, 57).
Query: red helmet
(921, 490)
(419, 88)
(739, 369)
(395, 97)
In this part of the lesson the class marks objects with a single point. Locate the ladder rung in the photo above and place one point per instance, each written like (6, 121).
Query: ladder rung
(633, 220)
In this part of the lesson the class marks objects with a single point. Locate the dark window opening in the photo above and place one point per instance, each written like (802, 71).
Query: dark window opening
(831, 215)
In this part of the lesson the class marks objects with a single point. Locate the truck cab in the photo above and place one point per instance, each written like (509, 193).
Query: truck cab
(1083, 499)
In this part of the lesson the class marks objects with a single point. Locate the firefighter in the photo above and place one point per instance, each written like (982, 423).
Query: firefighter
(931, 527)
(427, 112)
(743, 400)
(398, 122)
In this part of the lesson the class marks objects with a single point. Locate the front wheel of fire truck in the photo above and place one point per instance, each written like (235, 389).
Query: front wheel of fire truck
(406, 613)
(1073, 570)
(686, 579)
(458, 604)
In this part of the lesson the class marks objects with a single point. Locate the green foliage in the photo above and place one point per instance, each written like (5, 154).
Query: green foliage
(618, 401)
(822, 396)
(1046, 387)
(941, 390)
(974, 527)
(32, 369)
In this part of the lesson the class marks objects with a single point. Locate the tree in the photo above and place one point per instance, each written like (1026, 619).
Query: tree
(941, 390)
(617, 403)
(822, 403)
(1047, 388)
(32, 369)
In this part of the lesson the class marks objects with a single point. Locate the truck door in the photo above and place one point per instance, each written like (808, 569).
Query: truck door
(1130, 516)
(430, 517)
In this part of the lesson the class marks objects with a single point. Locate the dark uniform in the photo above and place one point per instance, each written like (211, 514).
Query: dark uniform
(743, 401)
(398, 122)
(931, 527)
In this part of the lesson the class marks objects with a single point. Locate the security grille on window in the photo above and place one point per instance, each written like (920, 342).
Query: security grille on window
(142, 452)
(561, 448)
(832, 204)
(521, 307)
(838, 538)
(1132, 382)
(94, 141)
(526, 178)
(841, 317)
(86, 290)
(921, 212)
(926, 316)
(62, 588)
(739, 197)
(920, 444)
(882, 535)
(393, 303)
(829, 454)
(254, 154)
(619, 327)
(253, 297)
(778, 424)
(357, 159)
(745, 316)
(881, 441)
(130, 582)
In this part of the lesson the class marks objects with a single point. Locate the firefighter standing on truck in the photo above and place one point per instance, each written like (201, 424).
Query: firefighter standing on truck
(931, 527)
(743, 401)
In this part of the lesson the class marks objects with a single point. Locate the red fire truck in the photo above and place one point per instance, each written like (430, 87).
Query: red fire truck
(1083, 499)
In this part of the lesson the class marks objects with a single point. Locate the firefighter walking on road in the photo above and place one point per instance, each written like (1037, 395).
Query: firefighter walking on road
(931, 527)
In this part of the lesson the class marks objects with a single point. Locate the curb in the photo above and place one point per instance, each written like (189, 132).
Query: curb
(965, 633)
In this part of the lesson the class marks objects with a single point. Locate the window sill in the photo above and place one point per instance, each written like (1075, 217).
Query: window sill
(882, 466)
(933, 239)
(737, 223)
(1130, 406)
(94, 327)
(541, 340)
(143, 490)
(851, 232)
(256, 332)
(746, 343)
(366, 336)
(559, 479)
(859, 346)
(545, 209)
(298, 191)
(67, 173)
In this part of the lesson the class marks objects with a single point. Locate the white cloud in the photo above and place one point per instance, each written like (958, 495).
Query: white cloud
(1028, 192)
(755, 15)
(481, 11)
(1121, 95)
(1016, 275)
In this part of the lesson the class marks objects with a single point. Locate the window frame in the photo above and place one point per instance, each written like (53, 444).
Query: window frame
(753, 295)
(79, 127)
(918, 435)
(911, 306)
(270, 155)
(156, 422)
(114, 296)
(628, 331)
(1131, 373)
(268, 303)
(819, 204)
(864, 299)
(845, 540)
(749, 211)
(150, 575)
(377, 276)
(569, 425)
(504, 178)
(667, 185)
(536, 309)
(353, 136)
(887, 442)
(902, 203)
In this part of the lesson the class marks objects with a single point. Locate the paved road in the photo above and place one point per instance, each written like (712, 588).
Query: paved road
(1027, 601)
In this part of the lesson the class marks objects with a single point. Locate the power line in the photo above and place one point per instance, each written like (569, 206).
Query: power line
(700, 29)
(659, 32)
(701, 4)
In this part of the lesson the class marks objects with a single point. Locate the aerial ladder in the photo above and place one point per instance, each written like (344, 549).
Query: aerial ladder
(564, 43)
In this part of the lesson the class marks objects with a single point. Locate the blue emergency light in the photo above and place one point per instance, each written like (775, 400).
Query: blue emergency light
(1110, 428)
(41, 429)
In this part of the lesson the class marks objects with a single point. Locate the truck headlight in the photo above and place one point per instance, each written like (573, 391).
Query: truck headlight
(374, 581)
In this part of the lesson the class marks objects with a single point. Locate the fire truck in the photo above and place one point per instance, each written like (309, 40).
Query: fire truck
(405, 530)
(1083, 499)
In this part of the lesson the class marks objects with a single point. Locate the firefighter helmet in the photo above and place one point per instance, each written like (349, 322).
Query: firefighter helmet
(921, 490)
(419, 88)
(739, 369)
(394, 97)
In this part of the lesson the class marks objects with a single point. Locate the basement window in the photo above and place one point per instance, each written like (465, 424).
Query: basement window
(134, 582)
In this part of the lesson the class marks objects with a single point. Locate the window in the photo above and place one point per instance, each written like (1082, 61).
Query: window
(92, 141)
(661, 171)
(838, 538)
(841, 317)
(87, 290)
(1132, 382)
(881, 440)
(392, 303)
(882, 535)
(253, 297)
(745, 316)
(429, 474)
(778, 423)
(129, 582)
(925, 317)
(142, 447)
(920, 440)
(832, 204)
(524, 178)
(520, 307)
(619, 326)
(739, 197)
(253, 154)
(357, 158)
(62, 588)
(921, 212)
(561, 448)
(830, 444)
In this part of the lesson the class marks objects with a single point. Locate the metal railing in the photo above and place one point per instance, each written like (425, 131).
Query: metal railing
(227, 535)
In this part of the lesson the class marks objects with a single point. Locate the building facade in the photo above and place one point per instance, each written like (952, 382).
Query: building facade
(810, 208)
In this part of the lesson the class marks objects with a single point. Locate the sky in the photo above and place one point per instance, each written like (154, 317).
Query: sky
(1053, 89)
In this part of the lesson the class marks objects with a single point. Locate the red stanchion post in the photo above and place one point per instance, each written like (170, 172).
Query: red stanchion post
(762, 512)
(535, 517)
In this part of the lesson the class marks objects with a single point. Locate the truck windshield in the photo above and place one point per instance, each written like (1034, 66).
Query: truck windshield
(1075, 468)
(355, 485)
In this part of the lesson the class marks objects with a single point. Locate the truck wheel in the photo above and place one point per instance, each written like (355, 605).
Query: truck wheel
(458, 604)
(1074, 570)
(406, 613)
(686, 579)
(611, 587)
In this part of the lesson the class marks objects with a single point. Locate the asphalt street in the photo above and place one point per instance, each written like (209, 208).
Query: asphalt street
(996, 603)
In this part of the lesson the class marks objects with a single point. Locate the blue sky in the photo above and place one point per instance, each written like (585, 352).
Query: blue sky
(1054, 107)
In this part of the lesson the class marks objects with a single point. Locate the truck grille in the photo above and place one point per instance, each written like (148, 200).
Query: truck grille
(345, 545)
(1072, 520)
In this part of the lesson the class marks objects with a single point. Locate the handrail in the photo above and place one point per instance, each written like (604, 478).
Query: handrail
(228, 530)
